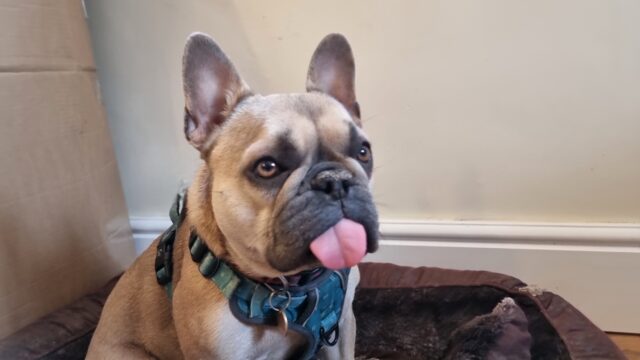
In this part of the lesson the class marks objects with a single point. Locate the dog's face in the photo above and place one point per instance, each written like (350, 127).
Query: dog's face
(290, 173)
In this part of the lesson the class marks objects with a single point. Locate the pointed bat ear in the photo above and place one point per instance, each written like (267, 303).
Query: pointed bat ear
(332, 71)
(212, 87)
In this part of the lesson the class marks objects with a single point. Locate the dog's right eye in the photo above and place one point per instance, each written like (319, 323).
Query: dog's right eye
(267, 168)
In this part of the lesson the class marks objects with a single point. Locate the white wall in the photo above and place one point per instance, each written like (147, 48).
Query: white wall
(492, 110)
(497, 111)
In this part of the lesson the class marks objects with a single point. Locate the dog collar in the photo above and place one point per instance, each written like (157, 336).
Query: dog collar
(312, 308)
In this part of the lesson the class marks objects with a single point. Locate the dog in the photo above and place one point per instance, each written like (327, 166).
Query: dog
(283, 194)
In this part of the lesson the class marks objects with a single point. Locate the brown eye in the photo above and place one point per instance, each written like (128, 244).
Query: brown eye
(364, 154)
(267, 168)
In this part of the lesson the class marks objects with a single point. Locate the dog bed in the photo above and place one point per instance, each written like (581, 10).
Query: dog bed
(402, 313)
(431, 313)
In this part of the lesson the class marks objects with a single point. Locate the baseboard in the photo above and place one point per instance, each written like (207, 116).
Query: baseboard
(146, 229)
(594, 266)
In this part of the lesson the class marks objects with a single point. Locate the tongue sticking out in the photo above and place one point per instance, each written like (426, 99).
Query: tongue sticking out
(342, 246)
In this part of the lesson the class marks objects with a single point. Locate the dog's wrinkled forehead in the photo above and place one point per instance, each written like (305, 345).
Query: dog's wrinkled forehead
(307, 120)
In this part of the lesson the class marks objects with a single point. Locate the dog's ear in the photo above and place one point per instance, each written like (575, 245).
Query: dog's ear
(332, 71)
(212, 87)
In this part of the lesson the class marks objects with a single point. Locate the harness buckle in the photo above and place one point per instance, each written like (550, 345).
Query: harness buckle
(163, 263)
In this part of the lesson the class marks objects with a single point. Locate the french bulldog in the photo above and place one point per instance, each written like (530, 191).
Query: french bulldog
(284, 188)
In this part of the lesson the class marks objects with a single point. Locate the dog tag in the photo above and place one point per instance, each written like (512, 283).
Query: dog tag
(283, 322)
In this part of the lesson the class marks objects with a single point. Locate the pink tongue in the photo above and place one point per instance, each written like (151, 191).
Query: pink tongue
(342, 246)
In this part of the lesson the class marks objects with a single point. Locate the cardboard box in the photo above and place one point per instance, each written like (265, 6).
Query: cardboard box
(64, 227)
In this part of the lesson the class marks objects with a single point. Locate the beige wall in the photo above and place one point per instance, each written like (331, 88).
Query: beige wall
(492, 110)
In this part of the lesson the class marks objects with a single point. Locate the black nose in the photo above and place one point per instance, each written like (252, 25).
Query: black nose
(334, 181)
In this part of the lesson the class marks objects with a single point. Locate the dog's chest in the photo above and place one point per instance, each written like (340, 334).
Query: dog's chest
(236, 340)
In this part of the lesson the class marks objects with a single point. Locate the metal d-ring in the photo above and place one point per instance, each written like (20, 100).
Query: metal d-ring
(325, 336)
(278, 292)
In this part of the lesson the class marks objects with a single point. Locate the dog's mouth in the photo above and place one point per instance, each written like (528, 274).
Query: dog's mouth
(341, 246)
(316, 230)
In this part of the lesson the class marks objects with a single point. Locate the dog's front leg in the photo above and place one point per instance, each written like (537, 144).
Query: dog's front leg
(346, 346)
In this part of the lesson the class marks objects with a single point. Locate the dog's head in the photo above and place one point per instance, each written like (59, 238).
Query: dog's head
(289, 174)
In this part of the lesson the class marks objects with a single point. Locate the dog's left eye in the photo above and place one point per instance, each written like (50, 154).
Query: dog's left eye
(267, 168)
(364, 154)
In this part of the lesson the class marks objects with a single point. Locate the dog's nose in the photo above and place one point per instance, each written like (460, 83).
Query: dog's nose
(334, 181)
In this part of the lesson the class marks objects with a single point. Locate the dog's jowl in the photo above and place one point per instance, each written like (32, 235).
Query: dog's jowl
(260, 262)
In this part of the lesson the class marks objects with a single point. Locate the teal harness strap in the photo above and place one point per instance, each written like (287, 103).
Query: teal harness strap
(313, 309)
(164, 263)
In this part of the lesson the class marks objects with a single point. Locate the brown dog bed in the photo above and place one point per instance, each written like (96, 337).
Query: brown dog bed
(431, 313)
(402, 313)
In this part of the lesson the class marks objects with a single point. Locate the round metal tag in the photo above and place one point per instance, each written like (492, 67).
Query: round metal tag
(283, 322)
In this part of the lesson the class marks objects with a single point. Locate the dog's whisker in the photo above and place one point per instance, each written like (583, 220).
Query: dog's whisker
(378, 204)
(368, 118)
